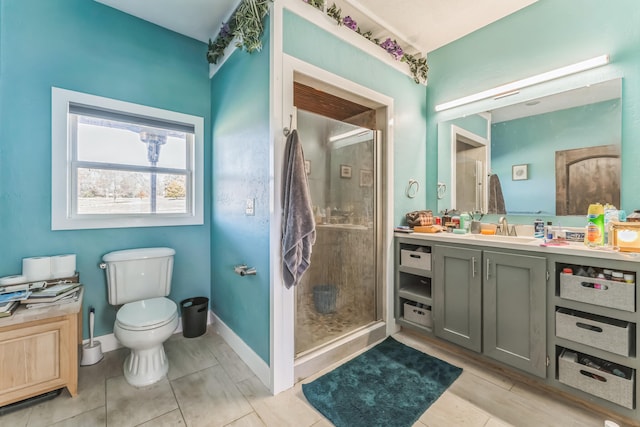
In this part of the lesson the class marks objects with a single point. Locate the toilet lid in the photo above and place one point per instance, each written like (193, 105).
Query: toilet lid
(147, 313)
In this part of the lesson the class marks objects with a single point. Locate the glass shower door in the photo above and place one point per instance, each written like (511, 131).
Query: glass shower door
(338, 293)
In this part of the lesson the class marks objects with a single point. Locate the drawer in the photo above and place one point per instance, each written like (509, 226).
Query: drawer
(595, 331)
(419, 315)
(596, 382)
(606, 293)
(415, 259)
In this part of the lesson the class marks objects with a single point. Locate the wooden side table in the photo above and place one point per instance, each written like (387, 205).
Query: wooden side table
(39, 350)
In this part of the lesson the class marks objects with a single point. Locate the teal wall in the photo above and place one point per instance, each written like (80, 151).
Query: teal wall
(241, 153)
(85, 46)
(311, 44)
(546, 35)
(534, 140)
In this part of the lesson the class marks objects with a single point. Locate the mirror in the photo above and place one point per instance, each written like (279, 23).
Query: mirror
(550, 156)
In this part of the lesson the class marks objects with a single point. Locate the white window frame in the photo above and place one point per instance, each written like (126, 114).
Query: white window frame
(63, 181)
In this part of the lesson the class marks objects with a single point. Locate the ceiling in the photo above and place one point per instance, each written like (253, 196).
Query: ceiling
(420, 26)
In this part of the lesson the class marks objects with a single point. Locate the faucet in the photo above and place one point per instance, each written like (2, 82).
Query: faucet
(504, 227)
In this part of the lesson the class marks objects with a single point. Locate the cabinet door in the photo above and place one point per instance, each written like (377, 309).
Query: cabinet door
(34, 359)
(457, 297)
(514, 292)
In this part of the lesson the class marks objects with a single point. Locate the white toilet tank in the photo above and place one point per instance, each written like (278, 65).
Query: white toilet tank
(137, 274)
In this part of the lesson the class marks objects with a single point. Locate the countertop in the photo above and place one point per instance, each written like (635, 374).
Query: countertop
(529, 244)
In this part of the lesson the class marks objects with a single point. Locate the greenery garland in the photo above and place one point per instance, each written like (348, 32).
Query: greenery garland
(417, 66)
(245, 24)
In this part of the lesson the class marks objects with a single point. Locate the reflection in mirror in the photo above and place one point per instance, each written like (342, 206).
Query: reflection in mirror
(548, 156)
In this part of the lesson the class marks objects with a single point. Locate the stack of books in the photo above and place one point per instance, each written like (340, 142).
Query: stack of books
(10, 297)
(61, 293)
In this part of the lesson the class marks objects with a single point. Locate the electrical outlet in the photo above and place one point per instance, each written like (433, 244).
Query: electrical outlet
(250, 210)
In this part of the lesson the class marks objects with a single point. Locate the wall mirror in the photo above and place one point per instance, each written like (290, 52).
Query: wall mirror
(550, 156)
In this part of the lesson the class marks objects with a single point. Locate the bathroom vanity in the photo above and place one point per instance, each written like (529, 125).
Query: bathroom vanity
(39, 351)
(528, 307)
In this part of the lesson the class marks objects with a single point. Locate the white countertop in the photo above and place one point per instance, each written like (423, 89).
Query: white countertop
(529, 244)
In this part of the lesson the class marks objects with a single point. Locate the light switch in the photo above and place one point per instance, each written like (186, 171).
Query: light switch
(250, 208)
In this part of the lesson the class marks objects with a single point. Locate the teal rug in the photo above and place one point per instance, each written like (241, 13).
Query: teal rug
(390, 384)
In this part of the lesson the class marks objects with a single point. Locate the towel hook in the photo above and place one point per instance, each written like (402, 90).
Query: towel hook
(287, 130)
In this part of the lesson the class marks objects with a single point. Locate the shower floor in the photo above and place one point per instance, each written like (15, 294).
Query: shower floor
(314, 329)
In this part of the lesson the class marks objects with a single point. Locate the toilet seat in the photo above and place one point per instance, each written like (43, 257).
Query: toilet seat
(147, 314)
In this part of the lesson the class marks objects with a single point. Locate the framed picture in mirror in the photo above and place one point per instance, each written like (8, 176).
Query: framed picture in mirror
(366, 178)
(345, 171)
(519, 172)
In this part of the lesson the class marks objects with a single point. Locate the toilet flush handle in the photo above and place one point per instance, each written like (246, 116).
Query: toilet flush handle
(102, 265)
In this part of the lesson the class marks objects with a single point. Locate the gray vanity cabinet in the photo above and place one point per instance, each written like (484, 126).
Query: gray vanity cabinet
(492, 302)
(457, 307)
(514, 307)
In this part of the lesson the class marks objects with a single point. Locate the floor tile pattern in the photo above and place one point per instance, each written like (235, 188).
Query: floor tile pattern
(208, 385)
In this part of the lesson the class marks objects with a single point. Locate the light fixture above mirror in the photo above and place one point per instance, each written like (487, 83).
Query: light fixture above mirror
(514, 87)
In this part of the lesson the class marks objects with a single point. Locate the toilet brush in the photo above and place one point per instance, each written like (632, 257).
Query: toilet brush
(91, 351)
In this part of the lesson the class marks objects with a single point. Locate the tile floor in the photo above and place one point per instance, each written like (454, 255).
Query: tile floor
(208, 385)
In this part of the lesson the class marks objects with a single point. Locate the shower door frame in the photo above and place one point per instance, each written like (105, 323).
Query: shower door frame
(282, 353)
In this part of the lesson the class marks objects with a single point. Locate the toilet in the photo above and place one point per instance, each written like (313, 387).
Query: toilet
(141, 279)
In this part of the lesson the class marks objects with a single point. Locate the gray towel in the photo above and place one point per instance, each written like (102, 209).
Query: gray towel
(496, 201)
(298, 226)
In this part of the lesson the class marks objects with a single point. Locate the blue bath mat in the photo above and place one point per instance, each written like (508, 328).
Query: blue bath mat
(389, 385)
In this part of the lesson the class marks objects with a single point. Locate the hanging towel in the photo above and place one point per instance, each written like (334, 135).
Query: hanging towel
(496, 201)
(298, 226)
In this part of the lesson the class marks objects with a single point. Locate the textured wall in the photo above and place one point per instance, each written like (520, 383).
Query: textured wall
(88, 47)
(240, 118)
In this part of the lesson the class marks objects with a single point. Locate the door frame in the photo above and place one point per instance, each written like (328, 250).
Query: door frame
(472, 139)
(282, 304)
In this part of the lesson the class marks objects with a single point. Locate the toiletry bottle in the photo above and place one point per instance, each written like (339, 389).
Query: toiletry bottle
(610, 215)
(594, 235)
(446, 218)
(465, 222)
(538, 228)
(548, 231)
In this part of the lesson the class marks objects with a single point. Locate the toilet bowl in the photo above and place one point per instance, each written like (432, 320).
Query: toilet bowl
(143, 326)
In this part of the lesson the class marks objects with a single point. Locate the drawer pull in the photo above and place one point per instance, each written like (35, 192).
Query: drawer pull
(594, 286)
(592, 375)
(415, 256)
(588, 327)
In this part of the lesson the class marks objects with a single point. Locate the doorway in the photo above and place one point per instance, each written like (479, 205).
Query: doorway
(469, 170)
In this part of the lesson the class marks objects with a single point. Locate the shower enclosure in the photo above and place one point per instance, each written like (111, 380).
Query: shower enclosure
(338, 294)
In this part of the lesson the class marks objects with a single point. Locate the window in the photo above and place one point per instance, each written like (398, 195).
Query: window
(117, 164)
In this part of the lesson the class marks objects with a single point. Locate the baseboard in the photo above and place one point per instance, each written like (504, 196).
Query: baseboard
(109, 342)
(248, 356)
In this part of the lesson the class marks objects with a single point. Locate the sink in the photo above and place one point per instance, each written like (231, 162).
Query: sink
(506, 239)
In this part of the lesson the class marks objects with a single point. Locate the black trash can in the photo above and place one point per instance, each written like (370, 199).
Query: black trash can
(194, 316)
